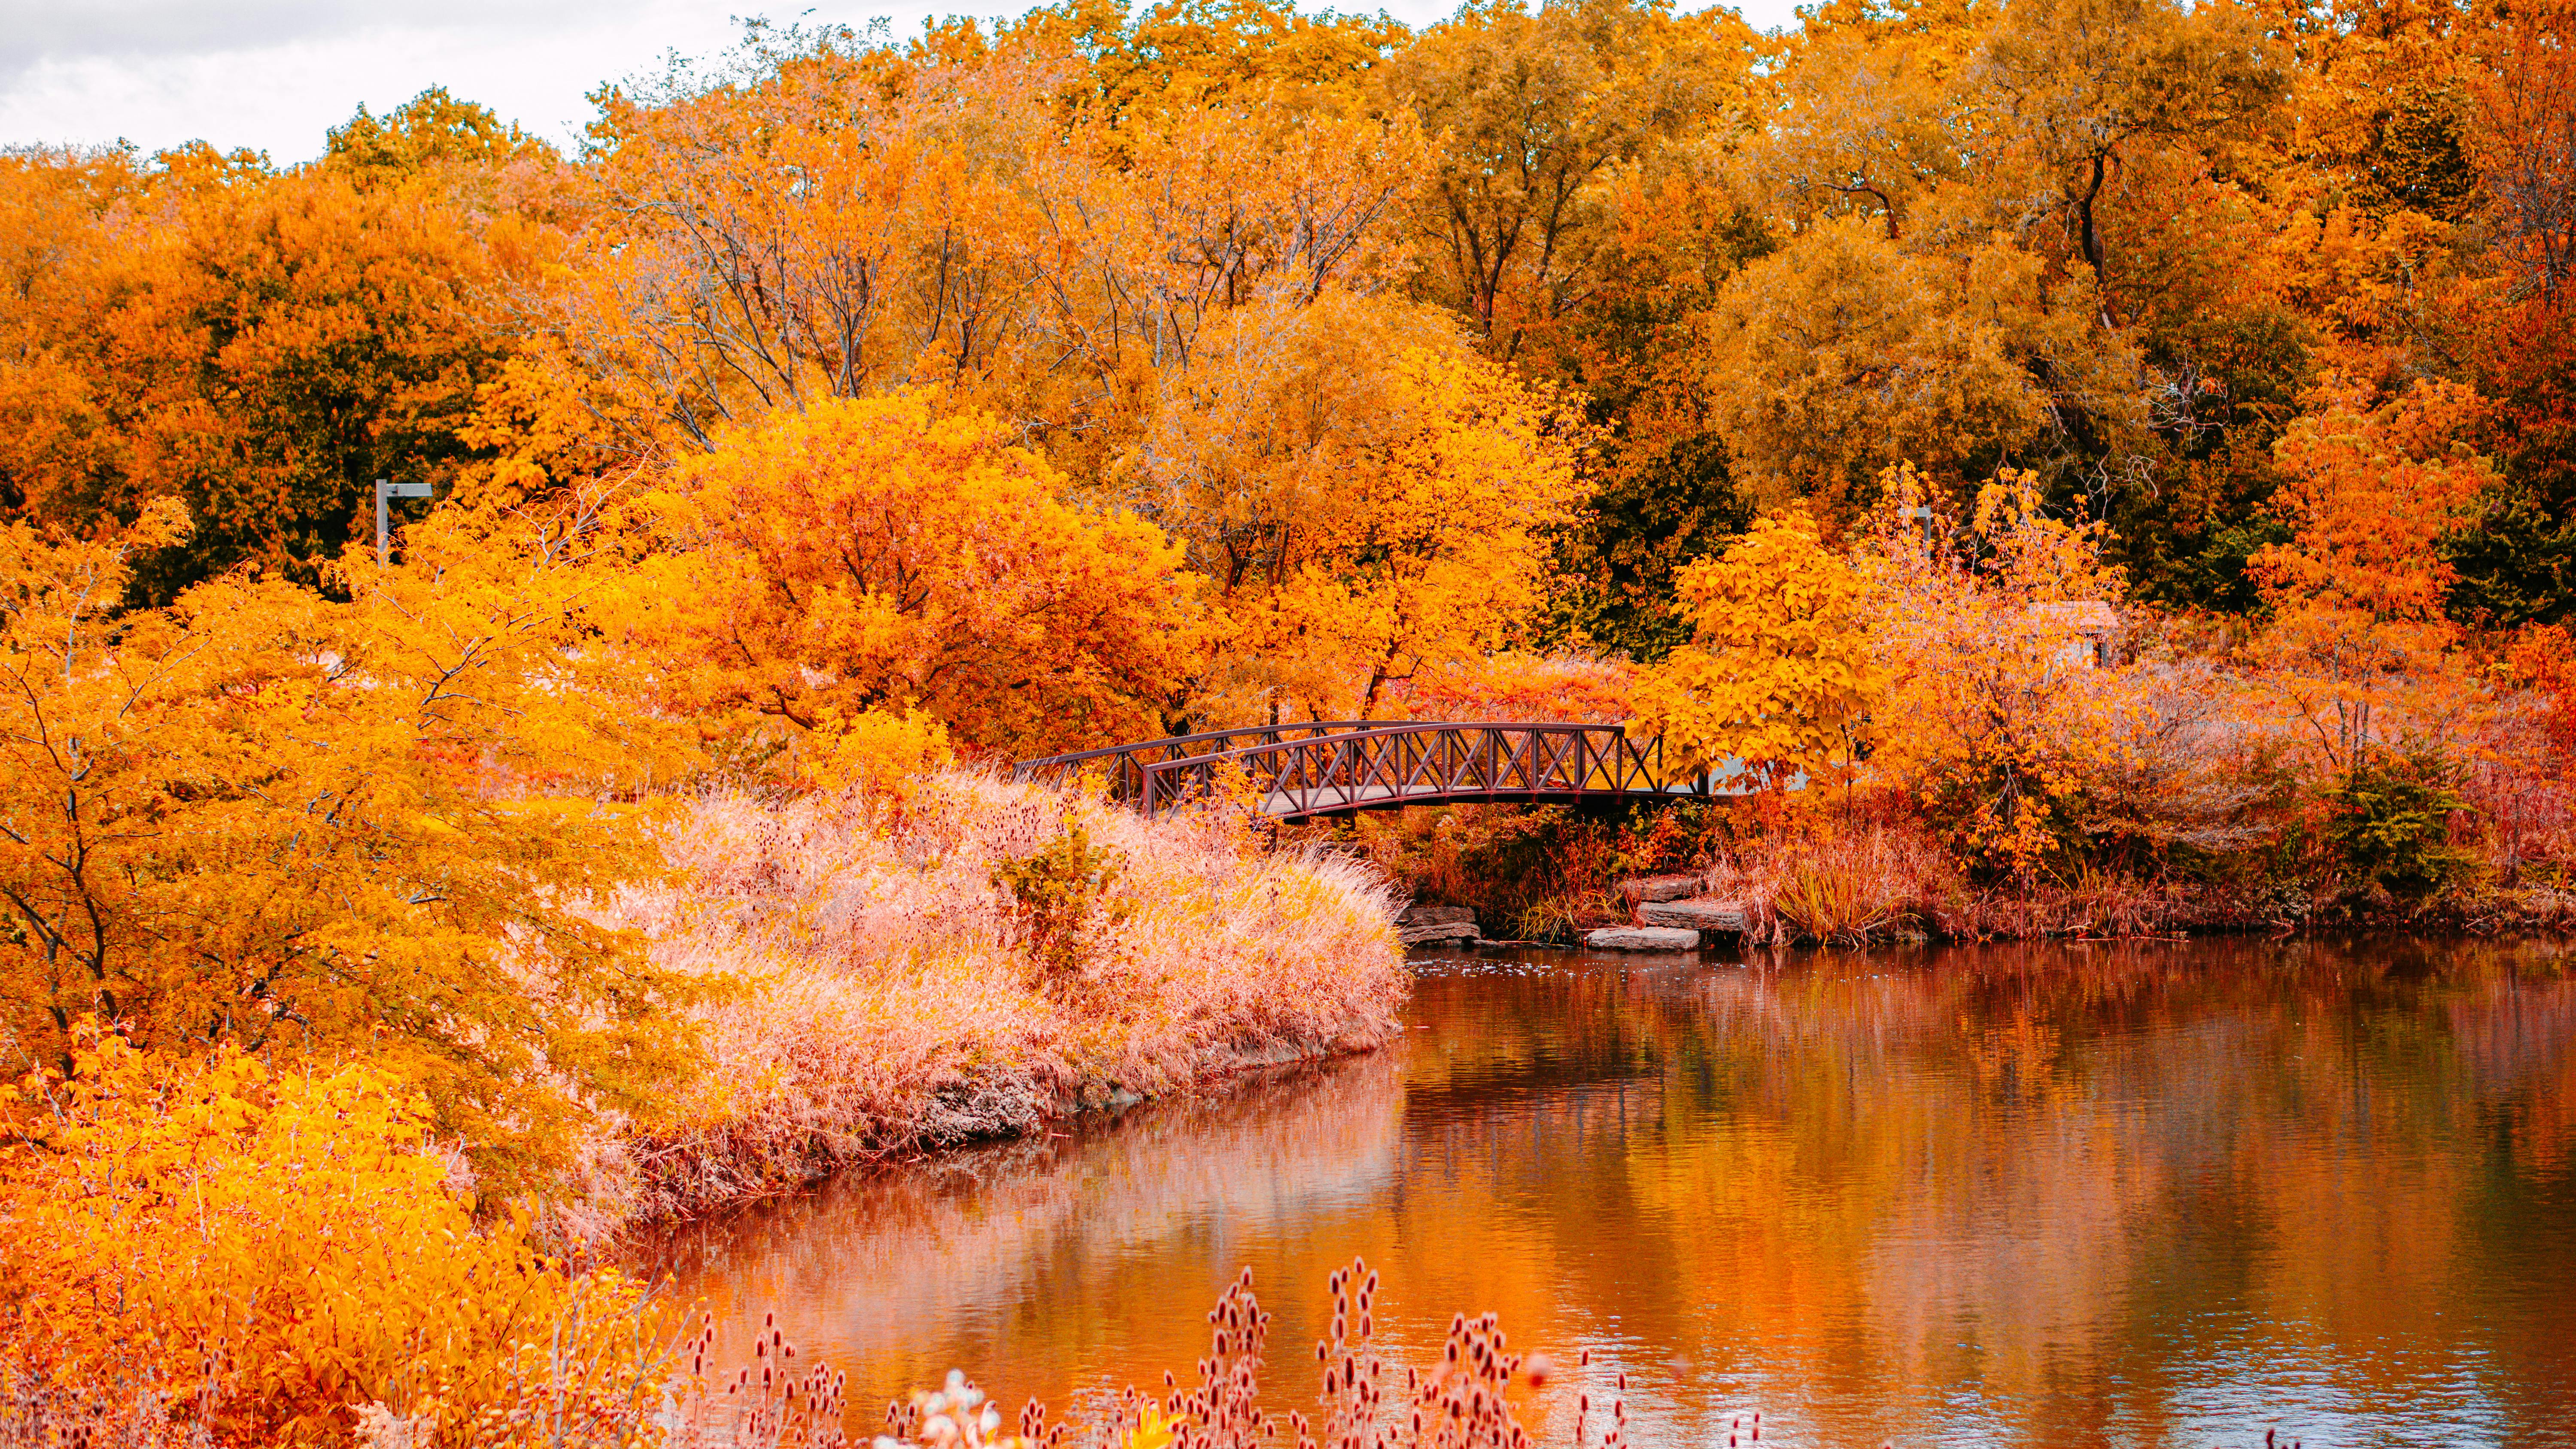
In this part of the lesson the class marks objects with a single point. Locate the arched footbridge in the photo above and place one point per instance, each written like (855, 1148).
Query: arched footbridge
(1341, 767)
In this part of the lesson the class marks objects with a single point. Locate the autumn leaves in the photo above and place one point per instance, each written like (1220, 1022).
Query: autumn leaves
(1067, 399)
(867, 555)
(264, 818)
(1973, 669)
(871, 554)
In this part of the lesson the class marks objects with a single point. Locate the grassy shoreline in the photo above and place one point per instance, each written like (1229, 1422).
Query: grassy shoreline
(1813, 878)
(231, 1248)
(894, 994)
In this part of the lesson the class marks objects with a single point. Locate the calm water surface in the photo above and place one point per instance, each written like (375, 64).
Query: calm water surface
(2074, 1195)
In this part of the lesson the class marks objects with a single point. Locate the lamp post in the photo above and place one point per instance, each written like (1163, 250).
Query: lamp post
(387, 488)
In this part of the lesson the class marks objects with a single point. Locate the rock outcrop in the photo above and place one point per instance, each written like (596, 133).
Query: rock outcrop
(1642, 938)
(1435, 925)
(1706, 917)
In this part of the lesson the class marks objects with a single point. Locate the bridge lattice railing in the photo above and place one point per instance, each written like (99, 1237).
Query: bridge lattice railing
(1335, 766)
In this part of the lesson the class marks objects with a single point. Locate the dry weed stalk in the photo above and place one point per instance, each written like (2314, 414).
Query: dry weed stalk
(1461, 1401)
(768, 1404)
(126, 1416)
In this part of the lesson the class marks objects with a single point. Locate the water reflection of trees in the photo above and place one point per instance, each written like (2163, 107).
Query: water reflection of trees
(1019, 1259)
(2042, 1171)
(2091, 1191)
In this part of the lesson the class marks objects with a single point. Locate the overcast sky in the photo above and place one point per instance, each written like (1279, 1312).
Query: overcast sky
(274, 74)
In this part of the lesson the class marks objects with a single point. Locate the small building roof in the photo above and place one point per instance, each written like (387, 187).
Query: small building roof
(2077, 616)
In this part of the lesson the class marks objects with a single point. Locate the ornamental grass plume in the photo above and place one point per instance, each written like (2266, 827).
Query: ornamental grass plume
(1847, 884)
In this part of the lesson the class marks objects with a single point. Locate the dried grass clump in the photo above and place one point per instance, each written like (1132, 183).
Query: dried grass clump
(1821, 879)
(1850, 882)
(1461, 1400)
(897, 997)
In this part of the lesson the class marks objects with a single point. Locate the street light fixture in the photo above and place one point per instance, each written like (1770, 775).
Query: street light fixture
(1923, 515)
(387, 488)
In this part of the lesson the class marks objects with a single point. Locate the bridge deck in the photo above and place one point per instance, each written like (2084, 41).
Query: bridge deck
(1340, 767)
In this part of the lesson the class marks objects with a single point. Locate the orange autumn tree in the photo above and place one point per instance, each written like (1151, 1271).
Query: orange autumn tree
(259, 343)
(1516, 685)
(57, 448)
(2522, 101)
(1997, 715)
(262, 818)
(699, 293)
(2359, 650)
(961, 218)
(871, 555)
(1424, 545)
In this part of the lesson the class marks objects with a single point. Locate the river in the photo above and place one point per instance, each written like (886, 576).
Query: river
(2066, 1194)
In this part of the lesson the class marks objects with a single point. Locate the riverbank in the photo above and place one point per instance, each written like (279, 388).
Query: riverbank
(970, 959)
(233, 1249)
(1794, 873)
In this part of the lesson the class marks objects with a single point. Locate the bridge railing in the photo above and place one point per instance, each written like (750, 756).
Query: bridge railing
(1338, 766)
(1125, 764)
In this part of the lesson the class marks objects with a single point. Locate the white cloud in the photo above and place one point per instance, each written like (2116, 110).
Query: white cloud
(37, 30)
(273, 75)
(297, 67)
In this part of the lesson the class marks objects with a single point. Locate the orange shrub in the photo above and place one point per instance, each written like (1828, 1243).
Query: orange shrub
(264, 1254)
(872, 554)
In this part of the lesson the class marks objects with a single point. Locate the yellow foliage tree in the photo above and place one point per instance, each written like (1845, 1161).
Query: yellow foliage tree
(2090, 83)
(879, 751)
(1867, 116)
(951, 225)
(1428, 545)
(869, 554)
(1844, 354)
(258, 817)
(1535, 107)
(1781, 675)
(1162, 55)
(261, 1254)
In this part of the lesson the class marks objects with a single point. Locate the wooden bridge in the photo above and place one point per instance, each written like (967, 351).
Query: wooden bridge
(1340, 767)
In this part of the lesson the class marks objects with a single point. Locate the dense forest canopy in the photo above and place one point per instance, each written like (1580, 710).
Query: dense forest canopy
(1414, 344)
